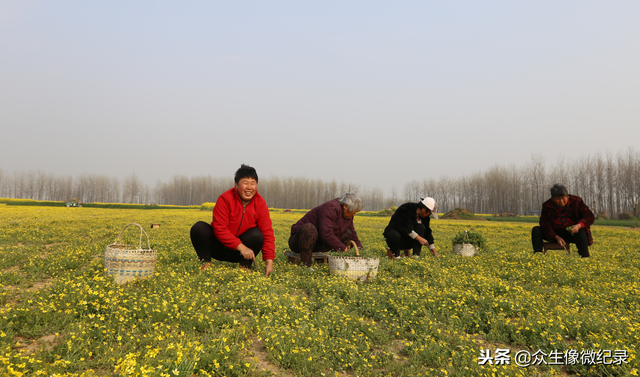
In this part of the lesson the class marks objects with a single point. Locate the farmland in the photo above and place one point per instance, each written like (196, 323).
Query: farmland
(60, 314)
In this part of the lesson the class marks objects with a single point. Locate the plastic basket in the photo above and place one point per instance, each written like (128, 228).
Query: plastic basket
(464, 249)
(129, 262)
(364, 269)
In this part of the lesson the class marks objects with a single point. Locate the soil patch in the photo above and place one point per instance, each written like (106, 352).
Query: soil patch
(262, 359)
(461, 214)
(11, 269)
(46, 342)
(36, 286)
(53, 244)
(40, 285)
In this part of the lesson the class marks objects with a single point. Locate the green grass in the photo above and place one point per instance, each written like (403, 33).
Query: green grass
(627, 223)
(31, 202)
(535, 219)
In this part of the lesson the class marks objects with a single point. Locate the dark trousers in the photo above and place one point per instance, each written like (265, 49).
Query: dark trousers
(397, 241)
(207, 245)
(305, 241)
(580, 239)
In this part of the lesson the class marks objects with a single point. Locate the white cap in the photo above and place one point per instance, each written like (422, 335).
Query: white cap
(431, 204)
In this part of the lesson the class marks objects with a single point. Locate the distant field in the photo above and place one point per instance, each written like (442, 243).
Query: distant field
(60, 315)
(45, 203)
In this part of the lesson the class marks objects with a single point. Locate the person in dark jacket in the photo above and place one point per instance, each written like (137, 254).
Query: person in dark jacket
(564, 219)
(409, 228)
(329, 226)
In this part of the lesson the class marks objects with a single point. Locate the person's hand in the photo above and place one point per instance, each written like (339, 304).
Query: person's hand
(245, 251)
(576, 228)
(268, 267)
(561, 242)
(422, 241)
(435, 253)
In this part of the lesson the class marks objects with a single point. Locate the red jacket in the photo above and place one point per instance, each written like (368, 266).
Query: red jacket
(578, 212)
(231, 219)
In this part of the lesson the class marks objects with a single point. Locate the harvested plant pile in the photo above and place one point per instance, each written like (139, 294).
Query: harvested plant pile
(461, 214)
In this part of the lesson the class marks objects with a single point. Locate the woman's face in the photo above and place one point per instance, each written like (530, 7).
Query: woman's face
(561, 201)
(247, 188)
(348, 214)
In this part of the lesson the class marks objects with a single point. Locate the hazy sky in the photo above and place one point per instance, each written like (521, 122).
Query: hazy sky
(369, 92)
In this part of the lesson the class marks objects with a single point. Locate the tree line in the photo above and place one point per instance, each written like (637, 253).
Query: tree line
(608, 183)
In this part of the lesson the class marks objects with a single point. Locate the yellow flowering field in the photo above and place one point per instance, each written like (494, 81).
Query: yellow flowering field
(60, 315)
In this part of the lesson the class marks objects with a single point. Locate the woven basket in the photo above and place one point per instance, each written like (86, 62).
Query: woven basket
(129, 262)
(364, 269)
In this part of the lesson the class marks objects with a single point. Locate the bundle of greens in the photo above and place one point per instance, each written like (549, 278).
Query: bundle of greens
(466, 236)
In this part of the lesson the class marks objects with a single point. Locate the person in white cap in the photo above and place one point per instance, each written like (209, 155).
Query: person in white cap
(409, 228)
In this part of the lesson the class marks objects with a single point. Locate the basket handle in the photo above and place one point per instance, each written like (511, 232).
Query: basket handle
(140, 241)
(353, 244)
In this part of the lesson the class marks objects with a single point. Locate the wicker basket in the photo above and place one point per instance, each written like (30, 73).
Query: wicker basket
(364, 269)
(129, 262)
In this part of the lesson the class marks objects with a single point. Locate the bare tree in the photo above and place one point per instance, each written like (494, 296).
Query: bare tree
(392, 200)
(376, 199)
(131, 188)
(3, 184)
(537, 180)
(606, 183)
(332, 191)
(627, 189)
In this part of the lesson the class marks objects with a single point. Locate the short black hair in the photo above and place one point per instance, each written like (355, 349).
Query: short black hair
(558, 190)
(421, 205)
(245, 171)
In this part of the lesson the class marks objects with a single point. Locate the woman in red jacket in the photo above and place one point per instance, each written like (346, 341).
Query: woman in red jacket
(564, 219)
(240, 228)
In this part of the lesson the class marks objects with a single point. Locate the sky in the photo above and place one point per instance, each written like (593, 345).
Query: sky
(367, 92)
